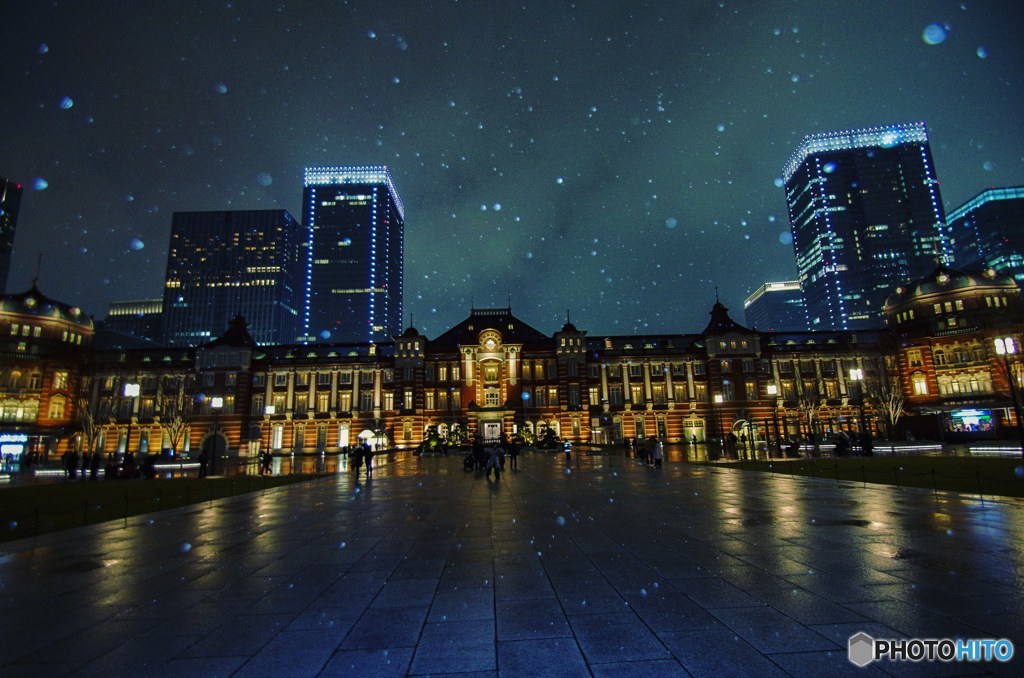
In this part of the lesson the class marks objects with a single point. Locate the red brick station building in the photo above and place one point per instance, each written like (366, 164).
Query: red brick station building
(935, 366)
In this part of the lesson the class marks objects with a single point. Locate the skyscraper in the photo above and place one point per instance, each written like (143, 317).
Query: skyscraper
(776, 307)
(866, 216)
(988, 231)
(222, 264)
(10, 202)
(354, 221)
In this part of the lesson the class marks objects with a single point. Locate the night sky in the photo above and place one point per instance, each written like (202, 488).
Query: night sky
(613, 159)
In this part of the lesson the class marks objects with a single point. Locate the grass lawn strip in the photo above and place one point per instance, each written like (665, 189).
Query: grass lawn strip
(30, 510)
(993, 477)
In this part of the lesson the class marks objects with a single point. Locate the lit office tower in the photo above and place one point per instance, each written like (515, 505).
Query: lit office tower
(354, 222)
(988, 231)
(866, 216)
(10, 201)
(222, 264)
(776, 307)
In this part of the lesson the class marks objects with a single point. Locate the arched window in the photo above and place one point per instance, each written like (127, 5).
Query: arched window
(939, 356)
(920, 383)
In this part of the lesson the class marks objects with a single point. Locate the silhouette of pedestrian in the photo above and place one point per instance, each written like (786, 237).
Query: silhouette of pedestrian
(368, 459)
(203, 461)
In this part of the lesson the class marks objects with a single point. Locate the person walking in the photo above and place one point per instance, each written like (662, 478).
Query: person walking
(94, 465)
(659, 453)
(355, 456)
(368, 459)
(494, 461)
(513, 455)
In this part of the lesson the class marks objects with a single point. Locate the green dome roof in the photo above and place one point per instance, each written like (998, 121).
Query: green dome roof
(944, 280)
(35, 303)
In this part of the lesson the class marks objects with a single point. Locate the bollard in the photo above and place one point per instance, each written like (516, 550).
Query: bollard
(935, 486)
(977, 474)
(896, 472)
(864, 476)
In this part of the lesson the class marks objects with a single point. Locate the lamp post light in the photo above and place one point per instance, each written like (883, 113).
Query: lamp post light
(718, 400)
(131, 391)
(216, 403)
(269, 411)
(1006, 346)
(857, 376)
(773, 391)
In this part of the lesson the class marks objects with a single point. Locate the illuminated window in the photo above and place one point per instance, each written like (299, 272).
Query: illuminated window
(57, 407)
(920, 383)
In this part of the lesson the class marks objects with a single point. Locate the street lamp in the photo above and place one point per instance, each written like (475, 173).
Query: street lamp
(773, 391)
(718, 400)
(857, 376)
(269, 411)
(130, 391)
(216, 403)
(1005, 346)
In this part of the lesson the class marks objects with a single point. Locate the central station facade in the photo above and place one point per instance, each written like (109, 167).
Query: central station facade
(491, 376)
(933, 372)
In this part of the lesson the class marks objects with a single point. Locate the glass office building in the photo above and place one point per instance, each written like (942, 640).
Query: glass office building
(866, 216)
(354, 221)
(223, 264)
(988, 231)
(10, 203)
(776, 307)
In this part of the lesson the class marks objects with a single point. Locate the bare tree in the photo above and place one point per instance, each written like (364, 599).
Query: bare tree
(886, 395)
(87, 411)
(809, 395)
(177, 414)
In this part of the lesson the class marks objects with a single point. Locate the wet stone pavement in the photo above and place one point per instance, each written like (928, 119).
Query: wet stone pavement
(603, 568)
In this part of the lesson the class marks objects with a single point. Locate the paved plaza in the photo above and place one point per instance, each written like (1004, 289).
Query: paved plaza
(603, 567)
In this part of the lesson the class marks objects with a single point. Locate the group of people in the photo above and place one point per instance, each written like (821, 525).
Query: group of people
(89, 464)
(359, 456)
(650, 451)
(85, 465)
(491, 456)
